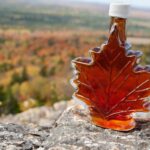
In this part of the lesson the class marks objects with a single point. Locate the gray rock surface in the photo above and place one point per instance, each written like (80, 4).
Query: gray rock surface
(71, 130)
(41, 116)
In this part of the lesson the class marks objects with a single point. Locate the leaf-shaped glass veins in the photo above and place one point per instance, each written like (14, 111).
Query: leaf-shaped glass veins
(112, 84)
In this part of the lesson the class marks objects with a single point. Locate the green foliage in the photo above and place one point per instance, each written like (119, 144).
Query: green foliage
(2, 40)
(9, 103)
(52, 71)
(43, 71)
(51, 42)
(19, 78)
(54, 96)
(5, 67)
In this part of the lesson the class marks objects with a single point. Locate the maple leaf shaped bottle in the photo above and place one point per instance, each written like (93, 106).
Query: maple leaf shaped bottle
(111, 82)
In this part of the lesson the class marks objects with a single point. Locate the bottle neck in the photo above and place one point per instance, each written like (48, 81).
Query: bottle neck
(121, 25)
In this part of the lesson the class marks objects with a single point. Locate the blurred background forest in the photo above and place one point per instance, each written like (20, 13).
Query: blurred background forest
(38, 40)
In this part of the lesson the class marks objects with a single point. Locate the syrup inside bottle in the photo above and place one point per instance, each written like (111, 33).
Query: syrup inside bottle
(107, 84)
(121, 25)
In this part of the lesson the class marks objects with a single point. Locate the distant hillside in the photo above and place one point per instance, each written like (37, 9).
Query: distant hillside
(89, 6)
(66, 14)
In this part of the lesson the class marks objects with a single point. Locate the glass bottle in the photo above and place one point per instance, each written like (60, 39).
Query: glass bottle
(119, 14)
(108, 81)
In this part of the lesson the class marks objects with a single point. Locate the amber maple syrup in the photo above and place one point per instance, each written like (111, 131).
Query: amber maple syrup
(111, 83)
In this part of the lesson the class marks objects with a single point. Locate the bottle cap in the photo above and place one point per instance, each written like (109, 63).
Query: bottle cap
(120, 10)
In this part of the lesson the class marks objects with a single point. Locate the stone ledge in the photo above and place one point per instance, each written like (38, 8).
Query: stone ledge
(72, 131)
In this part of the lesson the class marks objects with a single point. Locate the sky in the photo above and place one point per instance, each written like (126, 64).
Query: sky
(137, 3)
